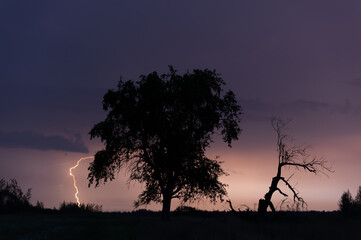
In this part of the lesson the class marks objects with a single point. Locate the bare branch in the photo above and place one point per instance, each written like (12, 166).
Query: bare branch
(283, 202)
(232, 209)
(284, 194)
(239, 210)
(314, 166)
(296, 197)
(176, 191)
(290, 177)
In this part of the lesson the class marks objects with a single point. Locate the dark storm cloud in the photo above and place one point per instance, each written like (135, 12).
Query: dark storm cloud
(31, 140)
(32, 106)
(306, 105)
(256, 110)
(254, 105)
(59, 58)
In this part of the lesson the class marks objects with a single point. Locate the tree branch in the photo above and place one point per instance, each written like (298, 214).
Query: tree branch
(314, 166)
(296, 197)
(284, 194)
(233, 210)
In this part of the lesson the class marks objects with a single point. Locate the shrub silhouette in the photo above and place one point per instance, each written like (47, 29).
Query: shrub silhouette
(186, 209)
(72, 207)
(12, 198)
(192, 212)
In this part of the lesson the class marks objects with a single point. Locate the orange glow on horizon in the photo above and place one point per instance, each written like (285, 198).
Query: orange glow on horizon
(74, 181)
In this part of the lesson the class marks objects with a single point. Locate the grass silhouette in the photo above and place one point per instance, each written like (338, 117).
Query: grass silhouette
(148, 225)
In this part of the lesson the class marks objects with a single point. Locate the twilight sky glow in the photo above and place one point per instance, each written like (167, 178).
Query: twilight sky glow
(293, 59)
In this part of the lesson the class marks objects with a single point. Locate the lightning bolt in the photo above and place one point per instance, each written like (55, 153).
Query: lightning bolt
(74, 181)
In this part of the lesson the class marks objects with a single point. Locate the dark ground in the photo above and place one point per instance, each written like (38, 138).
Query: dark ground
(205, 225)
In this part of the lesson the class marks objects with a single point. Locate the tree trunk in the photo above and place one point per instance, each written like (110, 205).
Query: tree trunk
(166, 207)
(264, 203)
(262, 206)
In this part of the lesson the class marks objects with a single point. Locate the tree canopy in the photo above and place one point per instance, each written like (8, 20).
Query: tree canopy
(160, 127)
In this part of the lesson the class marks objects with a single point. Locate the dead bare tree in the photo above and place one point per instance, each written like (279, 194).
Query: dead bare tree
(293, 157)
(246, 214)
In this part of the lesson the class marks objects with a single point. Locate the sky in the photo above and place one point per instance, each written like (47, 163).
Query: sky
(297, 60)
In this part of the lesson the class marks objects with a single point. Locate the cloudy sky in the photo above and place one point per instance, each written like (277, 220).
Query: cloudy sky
(297, 60)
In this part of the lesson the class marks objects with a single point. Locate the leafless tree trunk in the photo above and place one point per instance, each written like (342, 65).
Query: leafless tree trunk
(296, 157)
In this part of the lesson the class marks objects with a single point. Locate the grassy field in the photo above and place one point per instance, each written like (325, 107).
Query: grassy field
(221, 225)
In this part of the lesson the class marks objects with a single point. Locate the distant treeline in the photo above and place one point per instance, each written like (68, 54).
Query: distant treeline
(349, 205)
(14, 200)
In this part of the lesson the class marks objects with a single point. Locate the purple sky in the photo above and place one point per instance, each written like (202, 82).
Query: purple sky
(293, 59)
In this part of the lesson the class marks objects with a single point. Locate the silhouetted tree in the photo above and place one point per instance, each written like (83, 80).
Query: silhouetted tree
(160, 127)
(12, 198)
(346, 203)
(294, 156)
(39, 205)
(358, 200)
